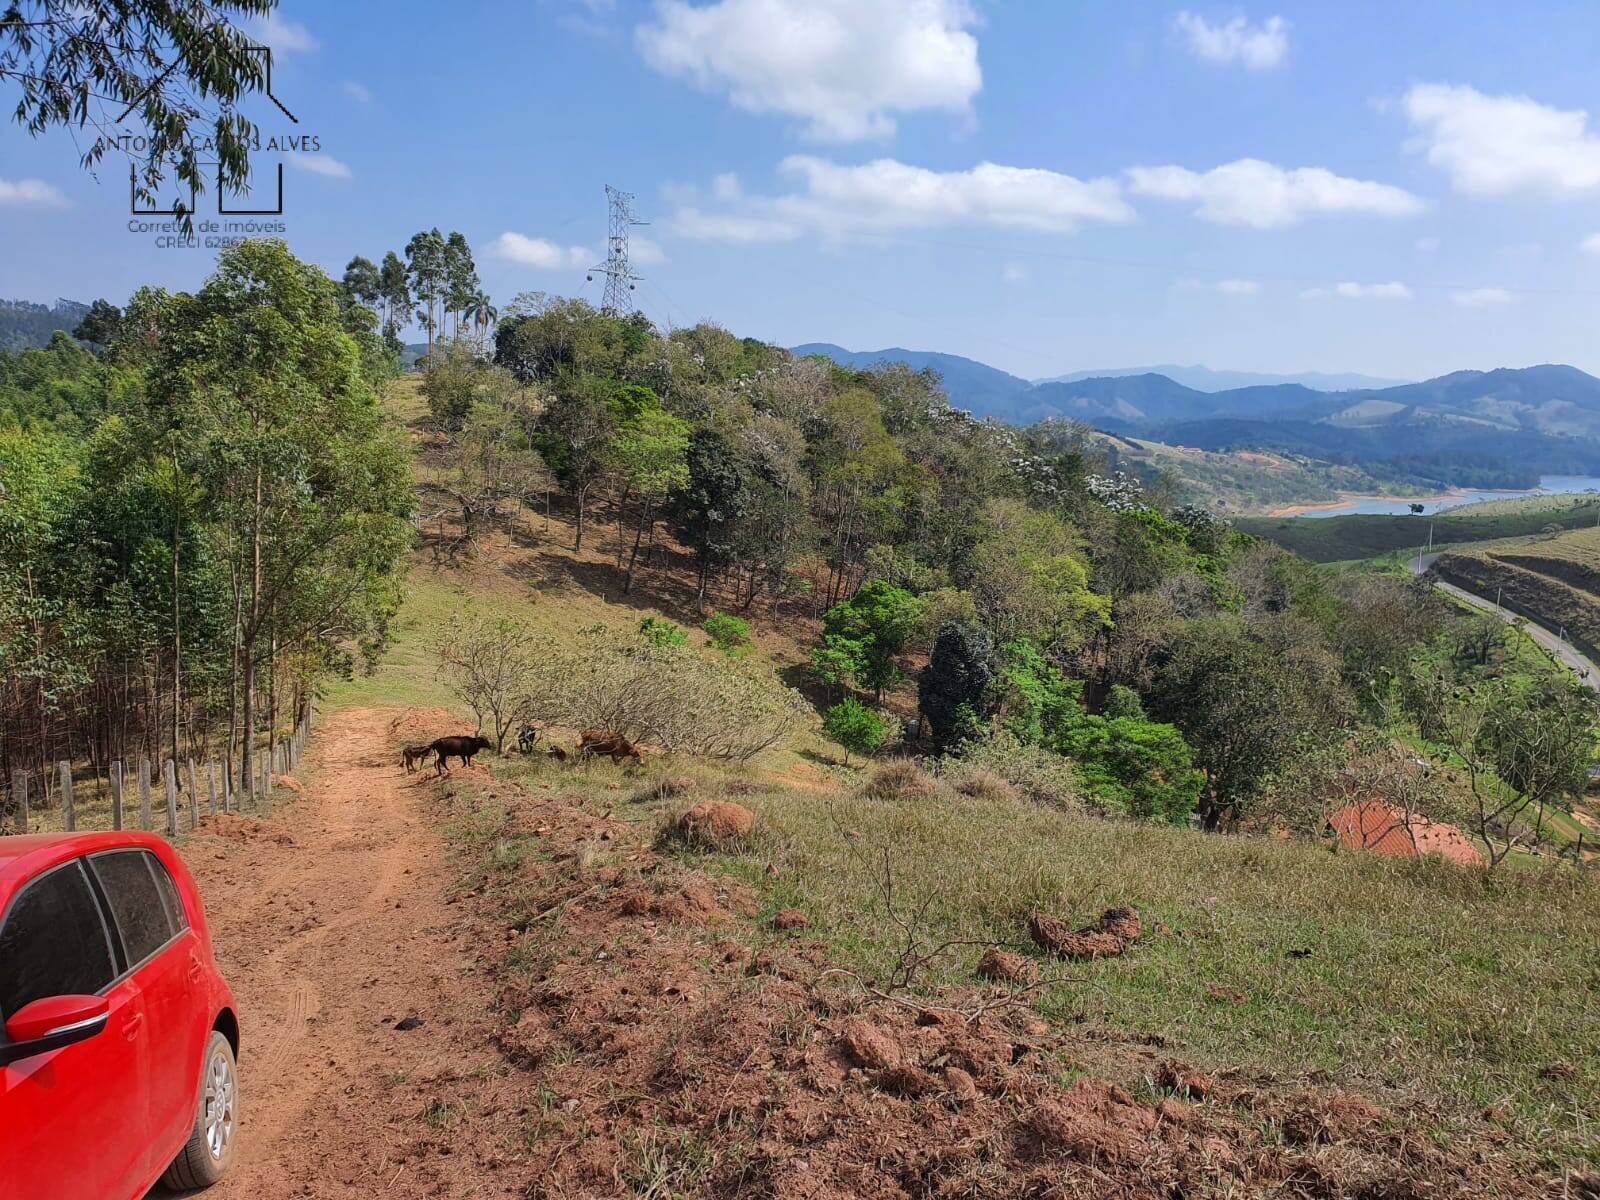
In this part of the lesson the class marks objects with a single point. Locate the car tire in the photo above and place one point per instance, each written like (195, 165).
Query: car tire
(209, 1152)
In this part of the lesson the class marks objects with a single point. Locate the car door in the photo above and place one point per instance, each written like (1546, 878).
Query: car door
(71, 1120)
(162, 954)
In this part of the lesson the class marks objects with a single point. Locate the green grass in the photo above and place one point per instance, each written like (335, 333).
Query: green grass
(1362, 536)
(1449, 986)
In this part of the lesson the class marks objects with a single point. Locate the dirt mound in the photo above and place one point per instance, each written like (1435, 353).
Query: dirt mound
(235, 828)
(288, 782)
(1095, 1121)
(1108, 937)
(1001, 966)
(790, 918)
(712, 824)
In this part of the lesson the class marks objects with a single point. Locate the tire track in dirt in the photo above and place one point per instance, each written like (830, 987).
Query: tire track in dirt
(331, 923)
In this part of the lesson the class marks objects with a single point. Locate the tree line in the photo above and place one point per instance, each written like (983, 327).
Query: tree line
(1043, 600)
(198, 518)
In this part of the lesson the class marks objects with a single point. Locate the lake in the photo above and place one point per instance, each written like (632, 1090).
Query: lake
(1548, 485)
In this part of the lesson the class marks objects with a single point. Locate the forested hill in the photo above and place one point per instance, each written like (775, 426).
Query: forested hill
(24, 323)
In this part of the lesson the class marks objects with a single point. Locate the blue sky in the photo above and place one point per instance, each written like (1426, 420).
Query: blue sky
(1046, 186)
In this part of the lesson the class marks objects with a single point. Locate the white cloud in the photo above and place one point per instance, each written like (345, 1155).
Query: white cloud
(1258, 47)
(886, 196)
(541, 253)
(1360, 291)
(30, 193)
(285, 37)
(1238, 287)
(1485, 297)
(691, 222)
(1591, 244)
(1494, 145)
(359, 92)
(644, 252)
(846, 67)
(320, 164)
(1264, 196)
(1014, 272)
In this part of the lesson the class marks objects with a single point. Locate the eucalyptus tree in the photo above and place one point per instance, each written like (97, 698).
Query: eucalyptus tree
(306, 489)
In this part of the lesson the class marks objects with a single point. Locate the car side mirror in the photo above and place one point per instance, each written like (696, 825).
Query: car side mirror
(52, 1022)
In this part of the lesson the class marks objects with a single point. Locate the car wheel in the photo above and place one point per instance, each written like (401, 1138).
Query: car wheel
(208, 1154)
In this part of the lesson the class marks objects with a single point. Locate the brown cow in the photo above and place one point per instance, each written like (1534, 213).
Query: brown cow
(613, 745)
(412, 755)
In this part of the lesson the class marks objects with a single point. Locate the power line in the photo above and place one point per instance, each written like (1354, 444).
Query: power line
(619, 276)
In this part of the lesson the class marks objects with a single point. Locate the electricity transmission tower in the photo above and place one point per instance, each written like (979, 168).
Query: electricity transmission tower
(619, 276)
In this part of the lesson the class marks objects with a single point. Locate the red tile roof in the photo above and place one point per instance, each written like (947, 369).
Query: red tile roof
(1384, 829)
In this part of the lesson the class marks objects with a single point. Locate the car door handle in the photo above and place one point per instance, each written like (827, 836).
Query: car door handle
(132, 1024)
(195, 970)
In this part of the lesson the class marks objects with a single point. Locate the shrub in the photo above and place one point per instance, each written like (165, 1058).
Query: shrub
(855, 727)
(668, 696)
(1039, 776)
(731, 635)
(661, 634)
(900, 779)
(1035, 699)
(982, 783)
(1123, 701)
(1135, 767)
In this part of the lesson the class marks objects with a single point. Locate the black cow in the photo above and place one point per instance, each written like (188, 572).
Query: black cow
(456, 747)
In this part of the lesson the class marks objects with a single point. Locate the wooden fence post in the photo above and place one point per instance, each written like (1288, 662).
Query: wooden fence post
(211, 786)
(169, 772)
(144, 794)
(19, 798)
(116, 795)
(69, 818)
(194, 794)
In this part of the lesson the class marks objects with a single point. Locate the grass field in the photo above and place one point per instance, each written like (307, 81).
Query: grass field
(1433, 990)
(1361, 536)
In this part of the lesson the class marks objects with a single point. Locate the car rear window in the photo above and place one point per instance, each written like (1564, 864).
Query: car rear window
(137, 904)
(53, 941)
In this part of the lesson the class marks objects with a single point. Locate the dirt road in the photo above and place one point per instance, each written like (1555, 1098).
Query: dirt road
(332, 925)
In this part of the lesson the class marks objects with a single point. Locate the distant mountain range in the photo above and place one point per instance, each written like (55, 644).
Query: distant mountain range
(1500, 428)
(988, 390)
(1204, 379)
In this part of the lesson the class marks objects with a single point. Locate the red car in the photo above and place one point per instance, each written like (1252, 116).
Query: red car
(119, 1037)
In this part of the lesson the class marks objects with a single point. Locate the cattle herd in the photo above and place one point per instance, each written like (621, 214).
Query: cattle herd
(592, 743)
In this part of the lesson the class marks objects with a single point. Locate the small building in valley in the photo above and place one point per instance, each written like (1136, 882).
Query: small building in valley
(1385, 829)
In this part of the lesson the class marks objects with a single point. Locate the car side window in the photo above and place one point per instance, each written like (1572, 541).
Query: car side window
(169, 894)
(128, 878)
(53, 941)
